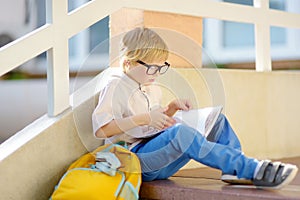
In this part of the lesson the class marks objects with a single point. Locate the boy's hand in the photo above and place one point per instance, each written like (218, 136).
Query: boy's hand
(159, 120)
(181, 104)
(178, 104)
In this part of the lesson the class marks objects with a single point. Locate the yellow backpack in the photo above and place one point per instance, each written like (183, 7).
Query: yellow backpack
(92, 177)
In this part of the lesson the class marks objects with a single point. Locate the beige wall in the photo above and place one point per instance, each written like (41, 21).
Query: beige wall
(171, 27)
(34, 169)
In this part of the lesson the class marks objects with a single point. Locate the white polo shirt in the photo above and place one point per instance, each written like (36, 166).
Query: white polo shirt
(123, 97)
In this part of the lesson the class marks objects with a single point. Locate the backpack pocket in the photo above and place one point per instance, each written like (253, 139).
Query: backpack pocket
(86, 183)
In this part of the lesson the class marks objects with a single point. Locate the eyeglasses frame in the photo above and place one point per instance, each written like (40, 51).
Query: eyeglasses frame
(158, 68)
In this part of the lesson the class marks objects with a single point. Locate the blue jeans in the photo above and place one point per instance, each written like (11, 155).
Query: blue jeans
(164, 154)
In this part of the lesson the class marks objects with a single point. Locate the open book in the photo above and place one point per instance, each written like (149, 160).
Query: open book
(202, 120)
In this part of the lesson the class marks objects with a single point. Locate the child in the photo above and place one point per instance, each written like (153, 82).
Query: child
(128, 107)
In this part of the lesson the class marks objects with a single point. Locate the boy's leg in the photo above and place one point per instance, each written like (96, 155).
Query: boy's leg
(164, 154)
(222, 133)
(166, 171)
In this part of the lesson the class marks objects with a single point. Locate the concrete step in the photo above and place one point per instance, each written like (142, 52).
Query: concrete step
(205, 183)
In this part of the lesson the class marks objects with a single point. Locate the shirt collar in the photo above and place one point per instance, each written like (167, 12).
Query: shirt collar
(128, 80)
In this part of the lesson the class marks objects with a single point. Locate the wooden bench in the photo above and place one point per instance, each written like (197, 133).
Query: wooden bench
(205, 183)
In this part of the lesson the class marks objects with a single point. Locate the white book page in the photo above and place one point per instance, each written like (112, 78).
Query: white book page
(202, 119)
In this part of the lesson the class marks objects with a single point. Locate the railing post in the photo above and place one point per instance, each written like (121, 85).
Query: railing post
(58, 58)
(263, 60)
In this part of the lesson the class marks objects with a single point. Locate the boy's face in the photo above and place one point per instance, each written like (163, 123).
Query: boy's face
(146, 73)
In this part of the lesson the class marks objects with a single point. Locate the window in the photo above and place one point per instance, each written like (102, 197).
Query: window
(89, 50)
(232, 42)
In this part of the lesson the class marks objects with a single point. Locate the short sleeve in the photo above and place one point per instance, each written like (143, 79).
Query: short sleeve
(107, 108)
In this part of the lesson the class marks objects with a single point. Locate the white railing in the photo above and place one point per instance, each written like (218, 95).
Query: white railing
(53, 37)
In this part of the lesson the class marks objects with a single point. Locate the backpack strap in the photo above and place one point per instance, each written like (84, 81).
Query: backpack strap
(107, 162)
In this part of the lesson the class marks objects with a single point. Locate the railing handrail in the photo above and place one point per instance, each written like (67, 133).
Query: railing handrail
(54, 35)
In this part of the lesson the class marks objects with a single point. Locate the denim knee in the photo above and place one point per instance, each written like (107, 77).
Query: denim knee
(181, 131)
(183, 137)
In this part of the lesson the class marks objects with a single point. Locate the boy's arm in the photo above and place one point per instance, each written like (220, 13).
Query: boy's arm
(155, 118)
(118, 126)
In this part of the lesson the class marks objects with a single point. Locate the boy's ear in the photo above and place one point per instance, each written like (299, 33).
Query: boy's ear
(126, 64)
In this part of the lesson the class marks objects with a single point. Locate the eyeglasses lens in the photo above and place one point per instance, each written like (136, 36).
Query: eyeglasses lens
(163, 69)
(152, 70)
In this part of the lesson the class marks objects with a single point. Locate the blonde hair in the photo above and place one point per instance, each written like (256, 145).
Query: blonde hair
(142, 44)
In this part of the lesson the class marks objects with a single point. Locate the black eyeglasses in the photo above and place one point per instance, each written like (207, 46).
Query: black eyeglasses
(153, 69)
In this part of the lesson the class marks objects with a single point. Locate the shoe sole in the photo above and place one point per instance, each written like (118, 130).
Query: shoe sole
(285, 182)
(233, 180)
(238, 182)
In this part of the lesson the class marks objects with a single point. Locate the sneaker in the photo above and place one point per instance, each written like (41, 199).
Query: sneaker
(274, 175)
(234, 180)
